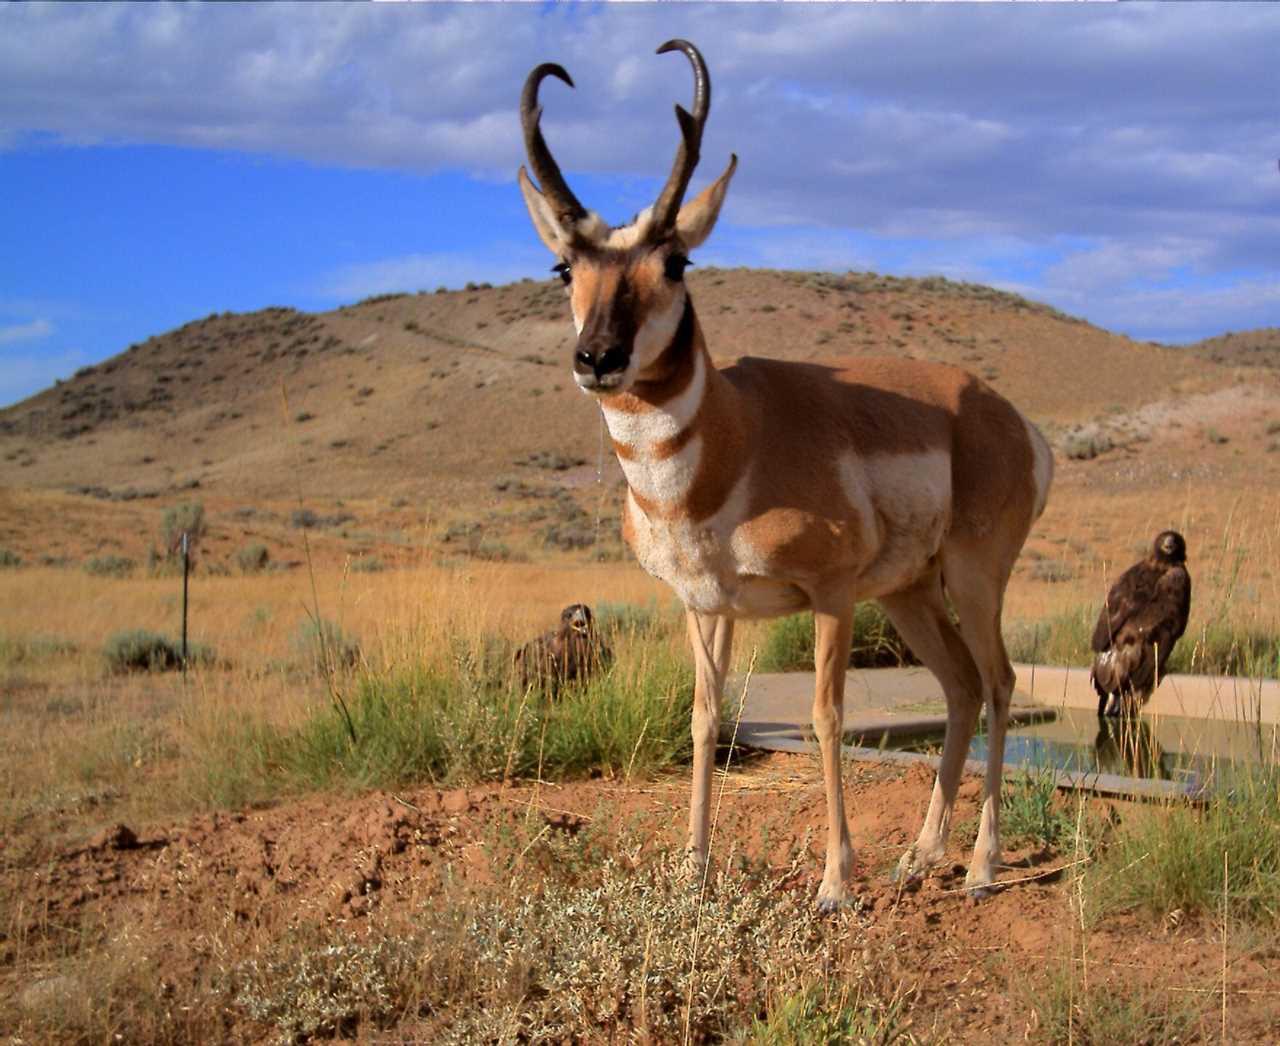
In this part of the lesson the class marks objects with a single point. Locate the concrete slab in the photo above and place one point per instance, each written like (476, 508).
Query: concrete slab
(785, 699)
(1232, 699)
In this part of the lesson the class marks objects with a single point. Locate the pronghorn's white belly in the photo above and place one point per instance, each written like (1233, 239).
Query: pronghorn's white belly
(904, 503)
(891, 525)
(710, 565)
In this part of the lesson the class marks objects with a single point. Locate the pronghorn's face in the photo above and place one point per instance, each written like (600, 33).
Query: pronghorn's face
(625, 285)
(626, 305)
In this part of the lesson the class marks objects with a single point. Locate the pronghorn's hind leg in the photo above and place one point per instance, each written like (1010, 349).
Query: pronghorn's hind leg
(977, 593)
(920, 616)
(712, 640)
(833, 637)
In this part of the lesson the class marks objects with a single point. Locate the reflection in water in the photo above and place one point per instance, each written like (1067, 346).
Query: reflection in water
(1169, 748)
(1127, 746)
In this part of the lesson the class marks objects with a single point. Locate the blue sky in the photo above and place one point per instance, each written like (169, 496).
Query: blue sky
(159, 163)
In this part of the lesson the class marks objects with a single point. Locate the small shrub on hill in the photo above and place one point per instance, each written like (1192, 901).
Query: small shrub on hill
(253, 559)
(187, 518)
(9, 558)
(1052, 571)
(109, 566)
(1086, 442)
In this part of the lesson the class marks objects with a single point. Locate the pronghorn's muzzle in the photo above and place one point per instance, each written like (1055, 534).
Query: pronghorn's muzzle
(600, 368)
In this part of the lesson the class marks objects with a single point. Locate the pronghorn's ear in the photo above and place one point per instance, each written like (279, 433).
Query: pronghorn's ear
(698, 217)
(548, 228)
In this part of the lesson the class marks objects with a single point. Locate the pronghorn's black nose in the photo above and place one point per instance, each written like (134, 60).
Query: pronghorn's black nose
(600, 364)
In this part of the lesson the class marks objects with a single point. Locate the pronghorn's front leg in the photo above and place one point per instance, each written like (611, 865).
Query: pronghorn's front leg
(834, 635)
(712, 640)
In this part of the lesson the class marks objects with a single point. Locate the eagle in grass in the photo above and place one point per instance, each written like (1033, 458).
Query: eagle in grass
(572, 652)
(1145, 613)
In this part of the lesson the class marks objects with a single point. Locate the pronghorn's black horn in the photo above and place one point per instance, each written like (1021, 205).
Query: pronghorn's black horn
(672, 195)
(545, 168)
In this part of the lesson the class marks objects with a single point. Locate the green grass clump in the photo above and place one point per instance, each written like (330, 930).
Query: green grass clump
(628, 619)
(1031, 812)
(789, 643)
(465, 722)
(456, 719)
(1171, 858)
(16, 650)
(321, 646)
(1219, 647)
(819, 1014)
(9, 558)
(1110, 1010)
(138, 650)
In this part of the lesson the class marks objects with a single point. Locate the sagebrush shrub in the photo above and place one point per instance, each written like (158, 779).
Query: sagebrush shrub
(253, 559)
(139, 650)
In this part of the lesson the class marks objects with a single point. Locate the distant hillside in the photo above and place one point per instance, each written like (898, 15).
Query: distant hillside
(1256, 348)
(455, 412)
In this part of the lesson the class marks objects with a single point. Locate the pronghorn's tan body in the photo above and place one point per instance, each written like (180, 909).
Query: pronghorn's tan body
(766, 487)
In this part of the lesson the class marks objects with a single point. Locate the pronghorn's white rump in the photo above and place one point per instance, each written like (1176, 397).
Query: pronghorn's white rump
(766, 487)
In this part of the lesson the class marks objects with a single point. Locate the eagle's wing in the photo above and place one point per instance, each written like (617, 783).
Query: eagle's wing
(1164, 619)
(1131, 592)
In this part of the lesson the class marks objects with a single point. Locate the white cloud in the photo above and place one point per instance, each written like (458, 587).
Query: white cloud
(15, 332)
(501, 263)
(1148, 133)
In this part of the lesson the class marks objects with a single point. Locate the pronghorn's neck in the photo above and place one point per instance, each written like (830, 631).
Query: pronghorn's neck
(669, 425)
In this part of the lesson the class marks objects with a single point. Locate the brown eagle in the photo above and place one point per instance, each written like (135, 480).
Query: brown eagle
(573, 651)
(1145, 613)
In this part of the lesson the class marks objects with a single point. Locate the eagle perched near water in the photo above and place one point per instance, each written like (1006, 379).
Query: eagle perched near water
(1145, 613)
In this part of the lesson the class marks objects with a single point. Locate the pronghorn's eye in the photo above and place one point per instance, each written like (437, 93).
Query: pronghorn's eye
(675, 266)
(564, 271)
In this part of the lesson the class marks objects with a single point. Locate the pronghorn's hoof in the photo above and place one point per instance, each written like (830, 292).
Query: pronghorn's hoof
(833, 906)
(913, 866)
(978, 886)
(695, 867)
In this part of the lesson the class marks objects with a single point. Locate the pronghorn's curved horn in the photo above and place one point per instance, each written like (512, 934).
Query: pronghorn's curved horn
(545, 168)
(672, 195)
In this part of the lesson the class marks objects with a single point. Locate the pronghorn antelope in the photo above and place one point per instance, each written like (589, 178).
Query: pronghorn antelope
(767, 487)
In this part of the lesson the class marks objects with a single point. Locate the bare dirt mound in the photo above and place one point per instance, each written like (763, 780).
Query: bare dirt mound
(206, 890)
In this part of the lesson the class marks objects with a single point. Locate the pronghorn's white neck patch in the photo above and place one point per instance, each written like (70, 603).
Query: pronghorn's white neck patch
(645, 427)
(667, 479)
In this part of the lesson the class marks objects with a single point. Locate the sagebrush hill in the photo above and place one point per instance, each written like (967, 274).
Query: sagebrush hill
(449, 421)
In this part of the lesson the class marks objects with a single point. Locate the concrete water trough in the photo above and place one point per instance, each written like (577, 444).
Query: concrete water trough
(1192, 726)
